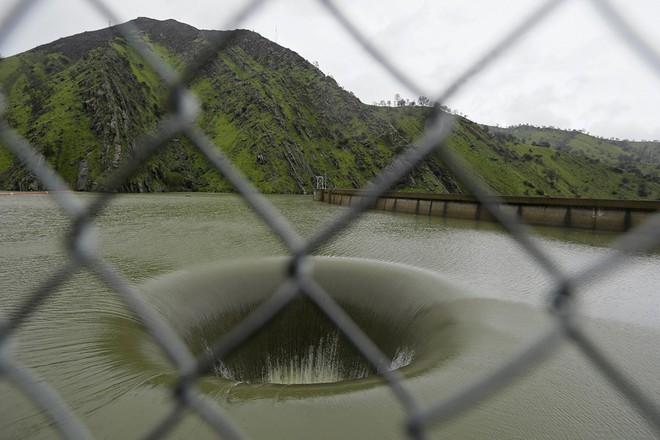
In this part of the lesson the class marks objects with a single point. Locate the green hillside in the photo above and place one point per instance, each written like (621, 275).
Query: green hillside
(637, 156)
(83, 101)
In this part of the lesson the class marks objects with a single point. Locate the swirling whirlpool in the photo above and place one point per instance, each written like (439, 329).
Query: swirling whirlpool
(302, 349)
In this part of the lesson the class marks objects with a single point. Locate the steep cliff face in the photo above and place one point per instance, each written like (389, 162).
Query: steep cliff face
(85, 100)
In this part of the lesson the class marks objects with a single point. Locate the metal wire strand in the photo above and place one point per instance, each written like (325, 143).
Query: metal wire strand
(367, 45)
(519, 231)
(361, 341)
(37, 164)
(223, 425)
(157, 327)
(168, 422)
(645, 51)
(45, 397)
(278, 224)
(493, 381)
(13, 18)
(643, 238)
(616, 378)
(437, 131)
(248, 327)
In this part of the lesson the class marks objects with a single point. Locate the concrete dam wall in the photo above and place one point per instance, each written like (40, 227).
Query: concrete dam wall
(595, 214)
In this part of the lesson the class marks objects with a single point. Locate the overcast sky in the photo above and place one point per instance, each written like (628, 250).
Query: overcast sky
(571, 71)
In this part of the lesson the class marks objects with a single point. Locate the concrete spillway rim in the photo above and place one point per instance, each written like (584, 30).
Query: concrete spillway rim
(411, 298)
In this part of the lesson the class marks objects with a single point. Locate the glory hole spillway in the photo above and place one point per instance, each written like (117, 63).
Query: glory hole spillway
(301, 352)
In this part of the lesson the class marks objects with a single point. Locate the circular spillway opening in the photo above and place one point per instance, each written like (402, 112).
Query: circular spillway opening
(401, 309)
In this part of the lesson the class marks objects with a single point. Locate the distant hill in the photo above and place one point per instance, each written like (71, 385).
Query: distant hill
(84, 100)
(641, 158)
(634, 155)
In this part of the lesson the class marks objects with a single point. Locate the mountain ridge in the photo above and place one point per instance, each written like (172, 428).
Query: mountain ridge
(84, 100)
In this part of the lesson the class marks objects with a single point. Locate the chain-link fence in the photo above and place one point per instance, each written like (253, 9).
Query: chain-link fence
(181, 121)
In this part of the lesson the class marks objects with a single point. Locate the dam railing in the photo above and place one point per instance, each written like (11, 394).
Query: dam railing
(82, 253)
(593, 214)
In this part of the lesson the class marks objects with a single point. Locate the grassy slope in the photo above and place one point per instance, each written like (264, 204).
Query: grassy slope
(643, 156)
(42, 105)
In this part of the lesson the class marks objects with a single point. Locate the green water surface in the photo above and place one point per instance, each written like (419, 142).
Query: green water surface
(502, 308)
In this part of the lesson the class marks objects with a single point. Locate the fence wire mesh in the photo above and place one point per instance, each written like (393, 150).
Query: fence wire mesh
(84, 255)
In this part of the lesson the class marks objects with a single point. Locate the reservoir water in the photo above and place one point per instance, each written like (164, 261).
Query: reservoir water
(86, 344)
